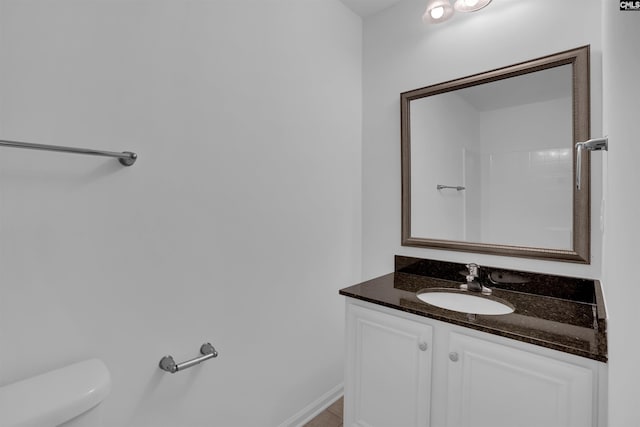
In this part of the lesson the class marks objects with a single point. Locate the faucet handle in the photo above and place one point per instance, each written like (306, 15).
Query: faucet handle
(473, 269)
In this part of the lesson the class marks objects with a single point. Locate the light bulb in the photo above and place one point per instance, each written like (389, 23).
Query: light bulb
(437, 12)
(470, 5)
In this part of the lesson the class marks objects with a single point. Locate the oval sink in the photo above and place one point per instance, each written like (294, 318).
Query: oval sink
(464, 302)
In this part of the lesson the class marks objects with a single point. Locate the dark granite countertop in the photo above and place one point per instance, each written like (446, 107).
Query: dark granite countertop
(557, 312)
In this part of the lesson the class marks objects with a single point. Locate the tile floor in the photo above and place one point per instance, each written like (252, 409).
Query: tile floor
(330, 417)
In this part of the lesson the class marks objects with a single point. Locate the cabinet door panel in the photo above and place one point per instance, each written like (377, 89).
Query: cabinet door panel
(391, 366)
(494, 385)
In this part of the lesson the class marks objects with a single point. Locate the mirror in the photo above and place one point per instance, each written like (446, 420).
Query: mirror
(488, 161)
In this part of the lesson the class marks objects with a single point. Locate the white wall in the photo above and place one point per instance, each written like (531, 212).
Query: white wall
(401, 53)
(237, 225)
(621, 68)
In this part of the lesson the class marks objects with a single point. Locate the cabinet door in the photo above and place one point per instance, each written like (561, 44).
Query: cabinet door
(492, 385)
(388, 370)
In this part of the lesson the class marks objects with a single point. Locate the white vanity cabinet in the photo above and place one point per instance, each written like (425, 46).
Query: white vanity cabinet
(495, 385)
(407, 370)
(388, 369)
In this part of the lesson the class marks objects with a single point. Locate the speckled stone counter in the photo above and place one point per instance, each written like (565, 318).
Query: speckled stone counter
(562, 313)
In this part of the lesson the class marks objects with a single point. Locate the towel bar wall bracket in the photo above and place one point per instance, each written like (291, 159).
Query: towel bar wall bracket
(128, 161)
(167, 363)
(126, 158)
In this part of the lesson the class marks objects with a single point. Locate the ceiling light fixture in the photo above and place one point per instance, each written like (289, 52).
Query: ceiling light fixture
(437, 11)
(441, 10)
(470, 5)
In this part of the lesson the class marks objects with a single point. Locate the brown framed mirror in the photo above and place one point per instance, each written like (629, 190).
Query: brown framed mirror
(489, 161)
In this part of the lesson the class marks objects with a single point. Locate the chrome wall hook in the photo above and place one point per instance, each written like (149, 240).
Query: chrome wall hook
(596, 144)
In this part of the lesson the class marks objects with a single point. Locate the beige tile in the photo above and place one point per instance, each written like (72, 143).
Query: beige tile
(325, 419)
(337, 408)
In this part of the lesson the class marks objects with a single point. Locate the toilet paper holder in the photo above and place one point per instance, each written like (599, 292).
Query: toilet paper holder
(167, 363)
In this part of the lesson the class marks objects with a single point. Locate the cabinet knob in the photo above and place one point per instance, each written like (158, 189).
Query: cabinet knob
(423, 346)
(453, 356)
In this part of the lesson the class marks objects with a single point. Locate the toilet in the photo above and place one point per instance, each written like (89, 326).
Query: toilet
(67, 396)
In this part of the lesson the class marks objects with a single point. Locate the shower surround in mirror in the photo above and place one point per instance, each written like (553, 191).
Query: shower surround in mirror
(482, 138)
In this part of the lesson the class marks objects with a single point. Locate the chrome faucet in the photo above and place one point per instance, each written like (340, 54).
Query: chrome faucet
(472, 280)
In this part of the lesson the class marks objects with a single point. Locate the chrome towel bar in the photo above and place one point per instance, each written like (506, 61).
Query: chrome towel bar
(443, 187)
(126, 158)
(168, 364)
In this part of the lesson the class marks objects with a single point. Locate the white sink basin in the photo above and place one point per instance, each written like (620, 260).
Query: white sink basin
(464, 302)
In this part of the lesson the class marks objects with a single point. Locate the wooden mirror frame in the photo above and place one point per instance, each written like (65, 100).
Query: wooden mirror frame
(580, 253)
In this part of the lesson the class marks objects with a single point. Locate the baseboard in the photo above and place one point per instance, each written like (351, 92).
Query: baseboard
(314, 408)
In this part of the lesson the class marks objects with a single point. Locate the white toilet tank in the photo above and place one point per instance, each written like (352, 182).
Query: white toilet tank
(55, 397)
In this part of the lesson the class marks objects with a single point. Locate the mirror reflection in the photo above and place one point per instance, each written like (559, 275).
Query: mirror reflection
(494, 164)
(488, 161)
